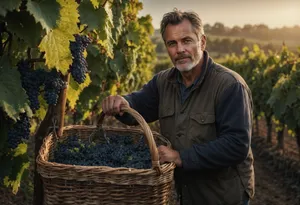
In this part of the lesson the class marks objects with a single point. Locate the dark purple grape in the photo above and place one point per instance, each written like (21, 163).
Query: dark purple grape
(79, 65)
(31, 80)
(19, 131)
(119, 151)
(53, 86)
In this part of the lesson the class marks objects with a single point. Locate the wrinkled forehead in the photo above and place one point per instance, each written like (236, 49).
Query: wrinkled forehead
(178, 31)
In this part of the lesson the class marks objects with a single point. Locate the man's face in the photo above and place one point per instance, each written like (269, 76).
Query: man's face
(183, 45)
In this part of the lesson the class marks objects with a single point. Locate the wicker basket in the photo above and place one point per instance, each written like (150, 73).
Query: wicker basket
(95, 185)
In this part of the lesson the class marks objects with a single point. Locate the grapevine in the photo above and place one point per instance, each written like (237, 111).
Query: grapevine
(273, 81)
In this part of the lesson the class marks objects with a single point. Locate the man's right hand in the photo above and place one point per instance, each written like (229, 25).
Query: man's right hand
(111, 105)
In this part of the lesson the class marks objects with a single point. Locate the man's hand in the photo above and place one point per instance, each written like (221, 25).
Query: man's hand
(167, 154)
(111, 105)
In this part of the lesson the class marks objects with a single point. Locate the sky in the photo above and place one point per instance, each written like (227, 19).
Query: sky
(273, 13)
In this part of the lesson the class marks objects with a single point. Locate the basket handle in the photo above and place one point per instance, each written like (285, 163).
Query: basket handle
(148, 133)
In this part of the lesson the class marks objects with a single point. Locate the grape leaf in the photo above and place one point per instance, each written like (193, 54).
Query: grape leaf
(133, 36)
(99, 20)
(279, 108)
(57, 52)
(93, 50)
(97, 3)
(97, 65)
(18, 48)
(8, 5)
(56, 43)
(118, 62)
(20, 164)
(290, 121)
(75, 89)
(41, 113)
(46, 12)
(13, 98)
(146, 22)
(88, 99)
(118, 20)
(109, 13)
(93, 18)
(291, 97)
(17, 21)
(20, 150)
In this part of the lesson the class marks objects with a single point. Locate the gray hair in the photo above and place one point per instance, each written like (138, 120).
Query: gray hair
(176, 17)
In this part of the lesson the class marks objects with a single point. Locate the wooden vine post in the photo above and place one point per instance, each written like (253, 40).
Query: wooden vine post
(62, 104)
(53, 113)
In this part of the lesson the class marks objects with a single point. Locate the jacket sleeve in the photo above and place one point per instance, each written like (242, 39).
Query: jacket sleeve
(234, 126)
(144, 101)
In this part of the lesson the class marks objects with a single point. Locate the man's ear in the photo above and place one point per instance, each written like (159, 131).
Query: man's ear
(203, 42)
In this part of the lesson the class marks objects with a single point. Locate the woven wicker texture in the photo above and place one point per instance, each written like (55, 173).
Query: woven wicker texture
(97, 185)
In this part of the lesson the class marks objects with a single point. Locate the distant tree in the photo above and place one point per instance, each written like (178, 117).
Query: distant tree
(247, 30)
(207, 28)
(218, 29)
(261, 31)
(236, 31)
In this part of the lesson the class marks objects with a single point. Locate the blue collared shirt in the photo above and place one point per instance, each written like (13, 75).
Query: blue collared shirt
(185, 91)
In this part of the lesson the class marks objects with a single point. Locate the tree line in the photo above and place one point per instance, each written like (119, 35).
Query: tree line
(257, 31)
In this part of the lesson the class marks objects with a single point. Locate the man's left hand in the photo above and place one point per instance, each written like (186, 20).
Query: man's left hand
(167, 154)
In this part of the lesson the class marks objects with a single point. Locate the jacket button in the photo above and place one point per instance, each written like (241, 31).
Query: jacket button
(202, 120)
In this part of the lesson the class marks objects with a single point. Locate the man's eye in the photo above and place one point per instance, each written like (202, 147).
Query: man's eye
(187, 40)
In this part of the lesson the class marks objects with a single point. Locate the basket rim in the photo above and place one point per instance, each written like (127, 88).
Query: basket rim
(45, 148)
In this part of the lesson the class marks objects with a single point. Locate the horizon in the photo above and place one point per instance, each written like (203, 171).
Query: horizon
(272, 13)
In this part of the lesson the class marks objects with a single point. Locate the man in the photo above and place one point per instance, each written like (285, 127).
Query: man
(205, 110)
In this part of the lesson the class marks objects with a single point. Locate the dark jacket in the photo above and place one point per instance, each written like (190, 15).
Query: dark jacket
(210, 126)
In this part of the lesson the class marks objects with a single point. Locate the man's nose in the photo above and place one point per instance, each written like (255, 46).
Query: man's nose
(180, 48)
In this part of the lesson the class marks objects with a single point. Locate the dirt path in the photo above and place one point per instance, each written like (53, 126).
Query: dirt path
(270, 188)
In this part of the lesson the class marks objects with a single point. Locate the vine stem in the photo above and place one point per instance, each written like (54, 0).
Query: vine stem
(83, 29)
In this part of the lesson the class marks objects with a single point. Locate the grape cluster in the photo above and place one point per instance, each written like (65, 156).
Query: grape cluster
(53, 86)
(31, 82)
(79, 65)
(20, 130)
(118, 151)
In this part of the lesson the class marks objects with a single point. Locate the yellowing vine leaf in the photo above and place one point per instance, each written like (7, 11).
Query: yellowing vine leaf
(56, 43)
(75, 89)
